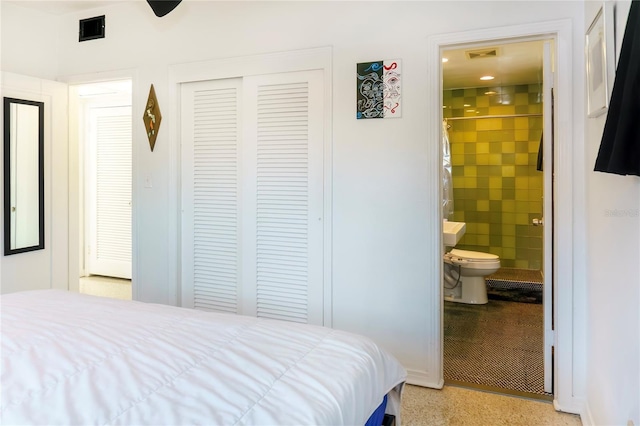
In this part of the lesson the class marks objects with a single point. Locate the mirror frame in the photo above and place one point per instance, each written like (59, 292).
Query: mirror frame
(7, 176)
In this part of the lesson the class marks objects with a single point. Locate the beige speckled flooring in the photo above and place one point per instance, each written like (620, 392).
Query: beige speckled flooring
(459, 406)
(106, 287)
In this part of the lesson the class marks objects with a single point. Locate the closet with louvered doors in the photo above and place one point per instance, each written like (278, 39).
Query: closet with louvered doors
(252, 195)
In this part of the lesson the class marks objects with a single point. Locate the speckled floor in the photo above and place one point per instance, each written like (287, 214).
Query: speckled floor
(459, 406)
(106, 287)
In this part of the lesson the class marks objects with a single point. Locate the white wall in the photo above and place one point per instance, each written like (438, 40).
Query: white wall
(613, 366)
(380, 167)
(46, 268)
(30, 36)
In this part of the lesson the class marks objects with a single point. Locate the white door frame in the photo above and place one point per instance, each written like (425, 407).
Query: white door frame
(565, 359)
(76, 161)
(549, 269)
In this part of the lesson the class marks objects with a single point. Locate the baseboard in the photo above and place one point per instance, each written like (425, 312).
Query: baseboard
(577, 406)
(585, 415)
(422, 378)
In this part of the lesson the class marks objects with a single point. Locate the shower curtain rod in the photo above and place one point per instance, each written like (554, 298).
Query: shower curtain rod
(494, 116)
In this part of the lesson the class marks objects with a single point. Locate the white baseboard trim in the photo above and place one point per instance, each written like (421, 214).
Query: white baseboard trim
(585, 415)
(576, 406)
(424, 379)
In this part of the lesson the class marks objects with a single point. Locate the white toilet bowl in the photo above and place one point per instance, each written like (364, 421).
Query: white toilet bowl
(464, 273)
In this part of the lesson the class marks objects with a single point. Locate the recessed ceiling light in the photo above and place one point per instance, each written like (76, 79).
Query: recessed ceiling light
(490, 92)
(471, 110)
(467, 105)
(487, 77)
(445, 60)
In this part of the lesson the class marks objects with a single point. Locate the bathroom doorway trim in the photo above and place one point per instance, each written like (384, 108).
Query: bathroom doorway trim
(568, 364)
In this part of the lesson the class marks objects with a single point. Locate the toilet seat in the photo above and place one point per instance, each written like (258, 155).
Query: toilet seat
(472, 259)
(473, 255)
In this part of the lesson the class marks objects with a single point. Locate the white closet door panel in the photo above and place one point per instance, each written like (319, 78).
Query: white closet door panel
(110, 247)
(282, 243)
(210, 188)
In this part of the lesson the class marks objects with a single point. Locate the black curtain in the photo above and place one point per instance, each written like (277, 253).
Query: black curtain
(620, 147)
(162, 7)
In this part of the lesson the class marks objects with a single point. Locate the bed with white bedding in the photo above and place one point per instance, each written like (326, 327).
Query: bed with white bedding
(75, 359)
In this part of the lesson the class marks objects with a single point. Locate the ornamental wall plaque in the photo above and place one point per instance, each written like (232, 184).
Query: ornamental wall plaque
(152, 117)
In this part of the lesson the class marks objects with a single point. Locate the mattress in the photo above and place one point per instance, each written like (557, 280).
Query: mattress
(69, 358)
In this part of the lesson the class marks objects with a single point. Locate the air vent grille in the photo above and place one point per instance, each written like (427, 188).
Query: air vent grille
(483, 53)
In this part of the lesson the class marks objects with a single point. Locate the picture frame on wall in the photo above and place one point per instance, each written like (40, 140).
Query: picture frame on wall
(600, 60)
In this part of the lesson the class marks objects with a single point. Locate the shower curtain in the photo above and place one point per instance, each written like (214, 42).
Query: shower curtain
(447, 180)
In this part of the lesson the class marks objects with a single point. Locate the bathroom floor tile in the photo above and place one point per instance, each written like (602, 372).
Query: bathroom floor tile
(498, 345)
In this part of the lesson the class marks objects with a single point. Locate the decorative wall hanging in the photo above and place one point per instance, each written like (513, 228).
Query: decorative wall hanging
(152, 117)
(619, 151)
(600, 58)
(379, 89)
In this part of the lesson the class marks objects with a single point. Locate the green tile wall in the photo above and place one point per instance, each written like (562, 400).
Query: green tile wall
(497, 190)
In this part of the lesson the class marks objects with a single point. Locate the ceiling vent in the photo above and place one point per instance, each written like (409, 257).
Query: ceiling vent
(91, 28)
(482, 53)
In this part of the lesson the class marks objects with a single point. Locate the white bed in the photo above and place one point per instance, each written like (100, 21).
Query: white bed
(75, 359)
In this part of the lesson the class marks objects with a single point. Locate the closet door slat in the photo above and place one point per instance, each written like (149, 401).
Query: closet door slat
(211, 223)
(284, 154)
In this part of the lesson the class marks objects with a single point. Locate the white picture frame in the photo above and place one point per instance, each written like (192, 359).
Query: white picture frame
(600, 60)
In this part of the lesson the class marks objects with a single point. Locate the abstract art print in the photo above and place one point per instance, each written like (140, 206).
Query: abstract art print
(379, 89)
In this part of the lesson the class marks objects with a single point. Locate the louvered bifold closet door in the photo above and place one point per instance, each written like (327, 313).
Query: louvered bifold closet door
(283, 197)
(110, 177)
(211, 195)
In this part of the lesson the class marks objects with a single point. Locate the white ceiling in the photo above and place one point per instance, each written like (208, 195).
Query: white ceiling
(515, 63)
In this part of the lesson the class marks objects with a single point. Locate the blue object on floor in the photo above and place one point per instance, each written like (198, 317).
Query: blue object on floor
(378, 416)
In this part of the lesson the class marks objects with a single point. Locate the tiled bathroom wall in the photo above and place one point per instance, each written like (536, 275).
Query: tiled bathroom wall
(497, 190)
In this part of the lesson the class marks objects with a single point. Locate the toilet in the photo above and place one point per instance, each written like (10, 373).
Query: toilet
(464, 273)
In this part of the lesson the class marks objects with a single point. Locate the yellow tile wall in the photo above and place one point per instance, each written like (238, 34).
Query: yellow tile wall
(496, 188)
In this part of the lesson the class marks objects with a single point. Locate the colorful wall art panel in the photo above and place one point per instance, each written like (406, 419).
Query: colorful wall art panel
(379, 89)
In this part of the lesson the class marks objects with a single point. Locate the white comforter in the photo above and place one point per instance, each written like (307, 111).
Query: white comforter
(76, 359)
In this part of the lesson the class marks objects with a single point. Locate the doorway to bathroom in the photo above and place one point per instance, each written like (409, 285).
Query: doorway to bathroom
(497, 144)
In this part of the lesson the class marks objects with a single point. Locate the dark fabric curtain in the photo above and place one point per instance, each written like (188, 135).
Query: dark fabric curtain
(162, 7)
(539, 164)
(620, 147)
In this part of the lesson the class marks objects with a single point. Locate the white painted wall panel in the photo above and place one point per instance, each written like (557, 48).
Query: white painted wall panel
(613, 247)
(24, 51)
(47, 268)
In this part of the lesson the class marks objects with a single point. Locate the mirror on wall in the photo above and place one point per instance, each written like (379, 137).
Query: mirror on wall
(23, 175)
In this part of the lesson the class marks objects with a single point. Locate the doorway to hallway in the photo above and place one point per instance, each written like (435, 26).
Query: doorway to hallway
(104, 124)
